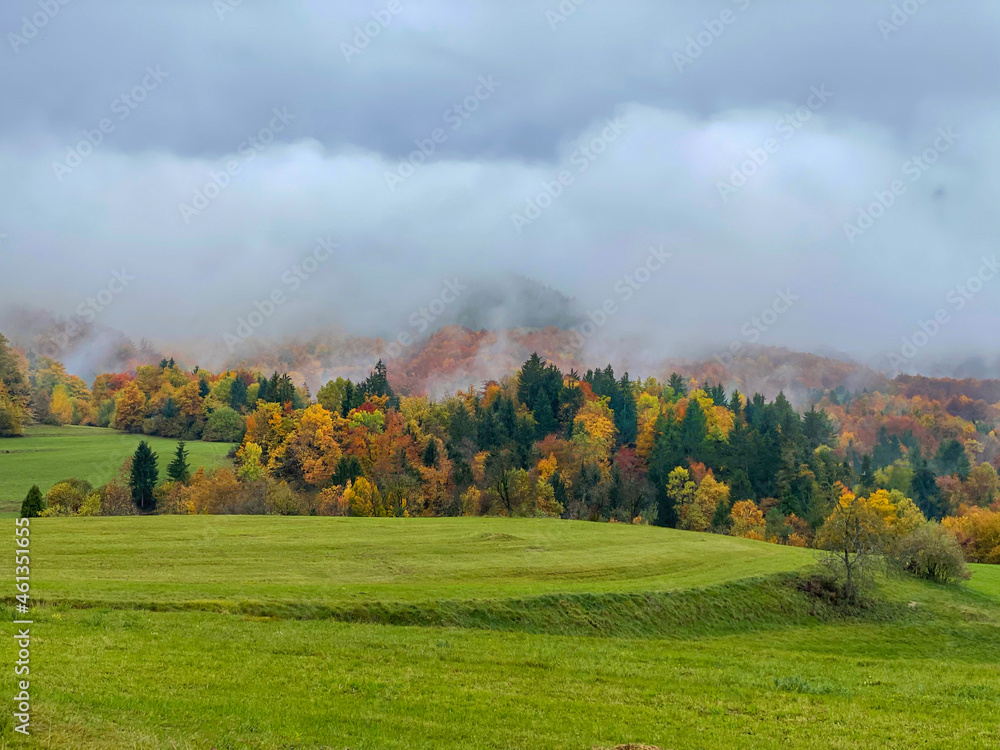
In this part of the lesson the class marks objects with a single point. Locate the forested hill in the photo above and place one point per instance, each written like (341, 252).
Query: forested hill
(598, 444)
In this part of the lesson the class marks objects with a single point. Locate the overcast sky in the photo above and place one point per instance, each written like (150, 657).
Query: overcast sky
(743, 138)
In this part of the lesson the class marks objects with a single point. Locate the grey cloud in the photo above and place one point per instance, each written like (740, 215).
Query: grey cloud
(658, 184)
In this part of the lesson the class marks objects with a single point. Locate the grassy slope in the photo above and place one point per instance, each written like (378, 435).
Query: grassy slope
(338, 561)
(46, 455)
(743, 663)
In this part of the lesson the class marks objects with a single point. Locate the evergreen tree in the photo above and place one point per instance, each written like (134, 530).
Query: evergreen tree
(718, 394)
(694, 430)
(559, 489)
(178, 469)
(460, 426)
(952, 459)
(377, 384)
(866, 477)
(348, 470)
(431, 456)
(818, 429)
(284, 390)
(721, 520)
(169, 408)
(263, 389)
(626, 417)
(676, 382)
(238, 394)
(736, 405)
(33, 503)
(203, 389)
(144, 477)
(926, 493)
(667, 455)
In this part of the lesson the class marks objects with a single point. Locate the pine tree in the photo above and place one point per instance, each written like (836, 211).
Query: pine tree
(178, 469)
(144, 477)
(33, 504)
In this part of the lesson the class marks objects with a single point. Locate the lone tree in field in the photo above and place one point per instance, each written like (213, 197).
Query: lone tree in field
(144, 477)
(178, 469)
(860, 530)
(33, 504)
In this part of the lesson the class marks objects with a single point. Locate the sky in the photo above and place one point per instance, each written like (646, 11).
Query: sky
(680, 176)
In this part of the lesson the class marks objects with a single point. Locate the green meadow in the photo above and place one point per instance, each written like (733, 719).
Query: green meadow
(269, 632)
(46, 455)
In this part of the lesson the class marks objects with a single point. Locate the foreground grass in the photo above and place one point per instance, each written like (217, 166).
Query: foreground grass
(46, 455)
(238, 632)
(113, 679)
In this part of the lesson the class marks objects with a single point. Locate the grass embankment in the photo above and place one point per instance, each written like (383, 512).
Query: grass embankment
(533, 634)
(46, 455)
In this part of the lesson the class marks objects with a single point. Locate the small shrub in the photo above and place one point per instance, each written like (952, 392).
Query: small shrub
(931, 552)
(66, 497)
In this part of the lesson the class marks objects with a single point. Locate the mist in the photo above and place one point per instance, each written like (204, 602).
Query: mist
(662, 180)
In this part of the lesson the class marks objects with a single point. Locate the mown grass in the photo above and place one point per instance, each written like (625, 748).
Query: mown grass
(46, 455)
(451, 633)
(348, 561)
(114, 679)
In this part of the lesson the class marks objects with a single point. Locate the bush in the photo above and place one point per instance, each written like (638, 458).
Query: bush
(931, 552)
(66, 497)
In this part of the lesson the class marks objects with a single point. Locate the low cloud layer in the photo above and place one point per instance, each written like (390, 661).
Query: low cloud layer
(810, 177)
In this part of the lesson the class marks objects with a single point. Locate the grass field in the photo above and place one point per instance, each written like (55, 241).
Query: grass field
(262, 632)
(46, 455)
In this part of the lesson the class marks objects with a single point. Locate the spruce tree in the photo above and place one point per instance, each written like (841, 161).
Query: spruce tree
(178, 469)
(431, 455)
(677, 383)
(144, 477)
(238, 394)
(33, 504)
